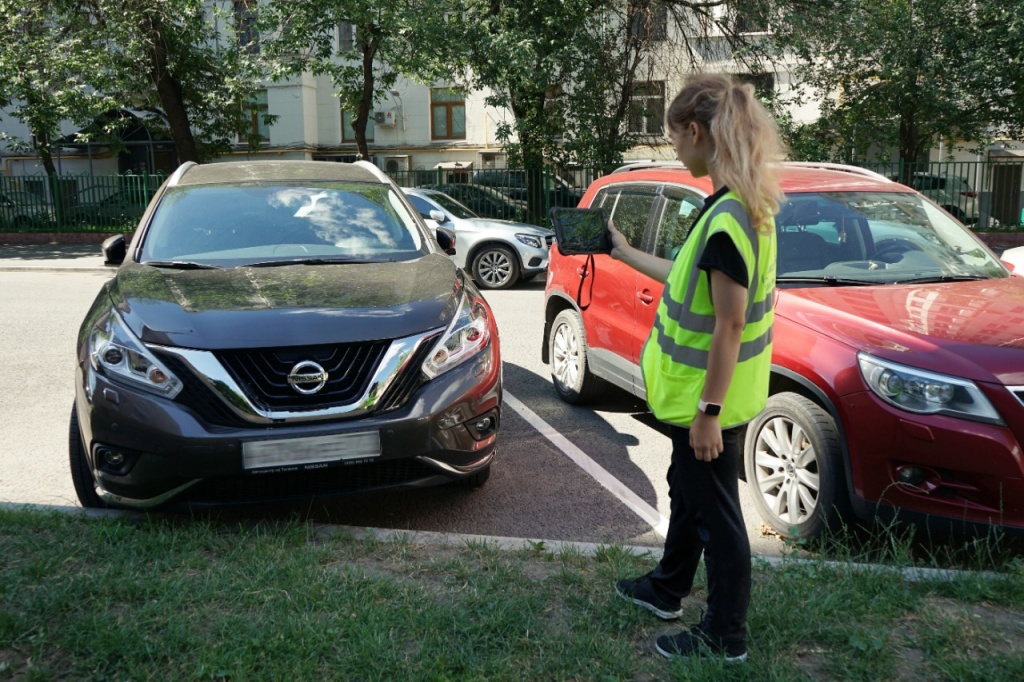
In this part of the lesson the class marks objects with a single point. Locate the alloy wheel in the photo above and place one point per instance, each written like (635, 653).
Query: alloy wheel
(786, 470)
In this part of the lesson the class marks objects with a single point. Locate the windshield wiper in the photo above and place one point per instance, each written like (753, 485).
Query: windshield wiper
(180, 265)
(828, 280)
(931, 279)
(306, 261)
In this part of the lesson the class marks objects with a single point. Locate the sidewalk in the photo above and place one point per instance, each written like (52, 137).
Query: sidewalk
(52, 258)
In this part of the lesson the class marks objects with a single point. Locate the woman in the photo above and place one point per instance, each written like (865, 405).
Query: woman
(706, 363)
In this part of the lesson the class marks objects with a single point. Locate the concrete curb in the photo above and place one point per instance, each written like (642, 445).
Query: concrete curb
(419, 537)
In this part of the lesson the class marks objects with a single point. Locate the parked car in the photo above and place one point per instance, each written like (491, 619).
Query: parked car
(514, 184)
(1015, 259)
(898, 359)
(281, 330)
(951, 192)
(483, 201)
(109, 206)
(498, 253)
(22, 210)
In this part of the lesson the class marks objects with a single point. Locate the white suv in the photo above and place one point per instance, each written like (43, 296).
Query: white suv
(952, 193)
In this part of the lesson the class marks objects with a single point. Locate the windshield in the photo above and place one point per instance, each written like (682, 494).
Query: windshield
(451, 205)
(233, 225)
(874, 238)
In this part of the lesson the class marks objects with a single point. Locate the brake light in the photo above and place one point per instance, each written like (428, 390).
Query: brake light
(972, 195)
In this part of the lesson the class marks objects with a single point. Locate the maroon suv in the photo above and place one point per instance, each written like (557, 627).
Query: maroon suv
(898, 364)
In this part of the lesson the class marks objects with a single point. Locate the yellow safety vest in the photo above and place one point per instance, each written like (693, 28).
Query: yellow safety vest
(675, 357)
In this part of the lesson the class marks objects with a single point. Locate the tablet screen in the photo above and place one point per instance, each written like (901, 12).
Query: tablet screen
(581, 230)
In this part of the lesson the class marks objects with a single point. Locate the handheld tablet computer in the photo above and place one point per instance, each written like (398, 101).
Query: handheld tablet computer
(581, 231)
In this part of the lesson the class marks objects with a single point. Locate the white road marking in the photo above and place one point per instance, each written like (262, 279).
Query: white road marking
(649, 514)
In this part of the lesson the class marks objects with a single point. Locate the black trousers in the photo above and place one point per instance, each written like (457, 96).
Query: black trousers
(706, 518)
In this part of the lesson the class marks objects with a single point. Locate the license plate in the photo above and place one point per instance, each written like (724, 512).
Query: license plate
(259, 454)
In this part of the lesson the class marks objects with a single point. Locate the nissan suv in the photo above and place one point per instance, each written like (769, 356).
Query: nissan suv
(898, 360)
(281, 330)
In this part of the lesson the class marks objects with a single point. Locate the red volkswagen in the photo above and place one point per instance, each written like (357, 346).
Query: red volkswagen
(898, 364)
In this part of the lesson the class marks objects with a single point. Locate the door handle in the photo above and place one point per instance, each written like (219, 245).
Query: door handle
(645, 296)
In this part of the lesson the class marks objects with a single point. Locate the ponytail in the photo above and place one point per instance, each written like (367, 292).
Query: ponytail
(744, 136)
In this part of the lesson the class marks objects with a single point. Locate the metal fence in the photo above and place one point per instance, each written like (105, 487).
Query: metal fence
(74, 203)
(984, 194)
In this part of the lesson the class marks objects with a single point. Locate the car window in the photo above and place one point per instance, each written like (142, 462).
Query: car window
(876, 237)
(678, 212)
(422, 206)
(232, 225)
(629, 208)
(452, 206)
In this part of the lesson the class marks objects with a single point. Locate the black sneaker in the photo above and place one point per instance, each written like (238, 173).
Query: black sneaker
(641, 592)
(700, 643)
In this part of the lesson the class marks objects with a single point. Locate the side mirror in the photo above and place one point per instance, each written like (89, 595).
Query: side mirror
(114, 250)
(446, 240)
(438, 216)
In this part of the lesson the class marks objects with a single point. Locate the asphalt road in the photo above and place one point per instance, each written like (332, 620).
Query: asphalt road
(563, 472)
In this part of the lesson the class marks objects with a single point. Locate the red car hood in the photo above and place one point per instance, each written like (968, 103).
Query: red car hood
(973, 330)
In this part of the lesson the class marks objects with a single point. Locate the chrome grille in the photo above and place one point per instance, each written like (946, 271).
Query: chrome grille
(263, 373)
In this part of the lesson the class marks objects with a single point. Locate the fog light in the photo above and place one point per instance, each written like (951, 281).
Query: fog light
(909, 475)
(483, 426)
(113, 460)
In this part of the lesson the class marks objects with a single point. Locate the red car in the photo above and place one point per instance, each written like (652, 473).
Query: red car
(898, 361)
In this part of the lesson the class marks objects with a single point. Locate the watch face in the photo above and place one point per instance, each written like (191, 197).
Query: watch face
(712, 409)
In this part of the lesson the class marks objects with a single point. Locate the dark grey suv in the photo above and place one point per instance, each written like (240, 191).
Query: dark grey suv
(281, 330)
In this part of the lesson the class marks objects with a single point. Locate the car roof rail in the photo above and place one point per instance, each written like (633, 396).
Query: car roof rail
(179, 172)
(856, 170)
(372, 168)
(648, 163)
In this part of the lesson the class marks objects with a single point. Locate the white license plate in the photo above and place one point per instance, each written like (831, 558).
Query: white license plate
(259, 454)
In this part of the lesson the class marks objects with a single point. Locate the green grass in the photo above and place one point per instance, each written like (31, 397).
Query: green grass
(176, 599)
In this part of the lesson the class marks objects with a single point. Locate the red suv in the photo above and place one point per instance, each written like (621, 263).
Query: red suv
(898, 362)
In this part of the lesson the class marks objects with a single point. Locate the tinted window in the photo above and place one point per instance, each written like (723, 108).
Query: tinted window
(678, 212)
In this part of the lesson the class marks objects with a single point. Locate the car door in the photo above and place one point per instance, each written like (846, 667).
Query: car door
(674, 215)
(607, 292)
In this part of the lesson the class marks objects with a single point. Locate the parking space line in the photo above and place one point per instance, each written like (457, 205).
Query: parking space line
(649, 514)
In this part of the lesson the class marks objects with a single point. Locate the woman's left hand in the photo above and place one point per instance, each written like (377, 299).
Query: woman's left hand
(706, 437)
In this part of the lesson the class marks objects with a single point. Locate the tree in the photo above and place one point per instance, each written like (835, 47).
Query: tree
(44, 69)
(377, 42)
(900, 74)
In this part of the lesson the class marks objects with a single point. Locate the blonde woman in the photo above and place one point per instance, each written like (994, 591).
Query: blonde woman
(706, 363)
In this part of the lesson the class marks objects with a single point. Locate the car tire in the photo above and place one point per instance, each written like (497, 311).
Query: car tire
(477, 478)
(81, 474)
(794, 468)
(567, 352)
(495, 267)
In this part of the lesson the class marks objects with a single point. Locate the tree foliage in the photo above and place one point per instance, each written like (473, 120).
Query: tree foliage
(902, 74)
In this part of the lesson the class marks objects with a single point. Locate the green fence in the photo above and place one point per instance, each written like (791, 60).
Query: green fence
(984, 194)
(75, 203)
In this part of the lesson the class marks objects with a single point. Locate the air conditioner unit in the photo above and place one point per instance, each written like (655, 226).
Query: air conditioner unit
(385, 118)
(397, 163)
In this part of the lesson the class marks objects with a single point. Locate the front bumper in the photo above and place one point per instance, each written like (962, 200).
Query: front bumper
(166, 453)
(962, 472)
(534, 261)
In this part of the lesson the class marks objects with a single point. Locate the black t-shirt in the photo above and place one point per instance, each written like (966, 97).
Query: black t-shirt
(720, 252)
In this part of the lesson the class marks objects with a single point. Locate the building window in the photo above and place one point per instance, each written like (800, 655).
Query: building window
(648, 20)
(348, 133)
(447, 114)
(257, 110)
(647, 109)
(751, 20)
(346, 37)
(245, 27)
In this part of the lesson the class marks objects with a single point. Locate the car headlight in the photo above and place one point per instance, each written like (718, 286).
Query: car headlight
(117, 353)
(917, 390)
(531, 240)
(468, 334)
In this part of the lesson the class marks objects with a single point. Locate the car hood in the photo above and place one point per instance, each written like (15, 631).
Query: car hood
(973, 330)
(509, 226)
(294, 305)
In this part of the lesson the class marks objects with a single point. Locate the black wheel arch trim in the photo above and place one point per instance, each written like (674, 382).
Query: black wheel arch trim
(820, 397)
(556, 302)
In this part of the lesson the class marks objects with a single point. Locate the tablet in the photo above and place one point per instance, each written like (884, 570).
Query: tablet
(581, 231)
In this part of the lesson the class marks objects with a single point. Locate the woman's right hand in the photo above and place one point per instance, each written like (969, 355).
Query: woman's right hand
(619, 241)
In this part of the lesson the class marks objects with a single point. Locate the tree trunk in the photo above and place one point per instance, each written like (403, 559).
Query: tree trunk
(365, 107)
(170, 92)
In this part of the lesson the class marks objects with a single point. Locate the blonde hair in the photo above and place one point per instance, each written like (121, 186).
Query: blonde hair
(744, 137)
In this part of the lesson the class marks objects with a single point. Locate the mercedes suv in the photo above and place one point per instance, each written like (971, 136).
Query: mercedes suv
(898, 360)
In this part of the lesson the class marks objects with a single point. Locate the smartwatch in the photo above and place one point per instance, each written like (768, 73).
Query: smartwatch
(710, 409)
